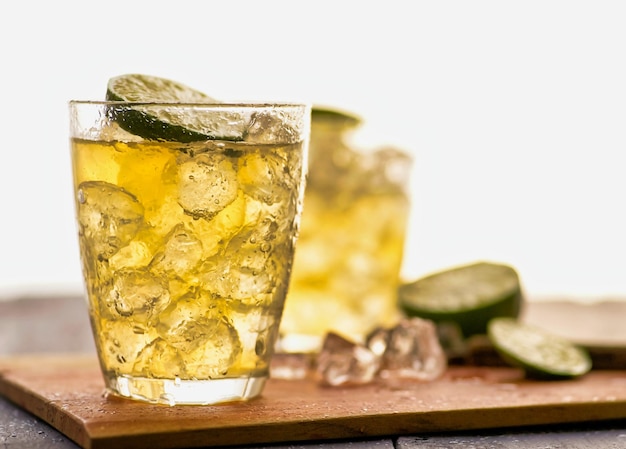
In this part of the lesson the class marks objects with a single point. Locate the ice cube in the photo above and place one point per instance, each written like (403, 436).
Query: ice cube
(190, 307)
(139, 294)
(272, 127)
(250, 283)
(159, 359)
(280, 216)
(180, 254)
(209, 346)
(343, 362)
(136, 254)
(122, 343)
(108, 217)
(254, 243)
(248, 268)
(265, 177)
(226, 279)
(220, 229)
(378, 341)
(411, 349)
(208, 183)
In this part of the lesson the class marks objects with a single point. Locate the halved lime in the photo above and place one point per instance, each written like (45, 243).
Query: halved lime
(334, 116)
(468, 295)
(152, 89)
(540, 353)
(168, 124)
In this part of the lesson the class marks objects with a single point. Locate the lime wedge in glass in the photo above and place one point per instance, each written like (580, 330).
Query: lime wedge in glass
(469, 295)
(540, 353)
(170, 124)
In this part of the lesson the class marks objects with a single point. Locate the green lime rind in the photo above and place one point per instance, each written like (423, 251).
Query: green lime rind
(334, 116)
(469, 295)
(157, 123)
(538, 352)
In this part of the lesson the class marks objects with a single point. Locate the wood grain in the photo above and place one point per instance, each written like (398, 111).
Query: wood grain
(67, 392)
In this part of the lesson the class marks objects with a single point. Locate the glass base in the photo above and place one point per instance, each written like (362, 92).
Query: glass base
(185, 392)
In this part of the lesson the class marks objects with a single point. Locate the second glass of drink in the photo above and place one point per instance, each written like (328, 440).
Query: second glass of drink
(350, 251)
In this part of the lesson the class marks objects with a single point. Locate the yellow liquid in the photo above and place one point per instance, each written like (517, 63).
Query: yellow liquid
(346, 269)
(186, 253)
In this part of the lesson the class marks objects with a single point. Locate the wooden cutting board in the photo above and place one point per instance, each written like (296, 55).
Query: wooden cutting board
(67, 392)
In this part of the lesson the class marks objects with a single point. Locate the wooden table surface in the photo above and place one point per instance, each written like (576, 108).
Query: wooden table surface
(60, 325)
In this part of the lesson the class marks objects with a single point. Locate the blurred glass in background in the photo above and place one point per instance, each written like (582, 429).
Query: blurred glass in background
(350, 250)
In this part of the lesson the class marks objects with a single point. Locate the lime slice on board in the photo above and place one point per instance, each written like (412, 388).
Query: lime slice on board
(469, 295)
(169, 124)
(540, 353)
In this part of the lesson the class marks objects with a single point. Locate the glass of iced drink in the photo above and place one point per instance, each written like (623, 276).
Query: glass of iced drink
(187, 220)
(349, 255)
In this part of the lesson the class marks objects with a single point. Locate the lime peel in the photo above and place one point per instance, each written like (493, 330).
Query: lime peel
(540, 353)
(468, 295)
(334, 116)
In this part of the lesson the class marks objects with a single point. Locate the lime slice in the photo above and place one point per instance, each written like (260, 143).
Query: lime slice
(334, 116)
(169, 124)
(540, 353)
(152, 89)
(468, 295)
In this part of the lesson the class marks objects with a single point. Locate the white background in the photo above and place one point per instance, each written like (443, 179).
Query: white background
(515, 112)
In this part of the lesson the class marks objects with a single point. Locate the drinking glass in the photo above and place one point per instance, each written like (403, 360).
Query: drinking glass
(350, 251)
(187, 241)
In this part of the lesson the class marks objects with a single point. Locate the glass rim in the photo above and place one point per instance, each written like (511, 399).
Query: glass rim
(216, 105)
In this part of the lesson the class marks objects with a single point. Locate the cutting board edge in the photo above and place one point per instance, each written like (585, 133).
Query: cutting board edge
(350, 428)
